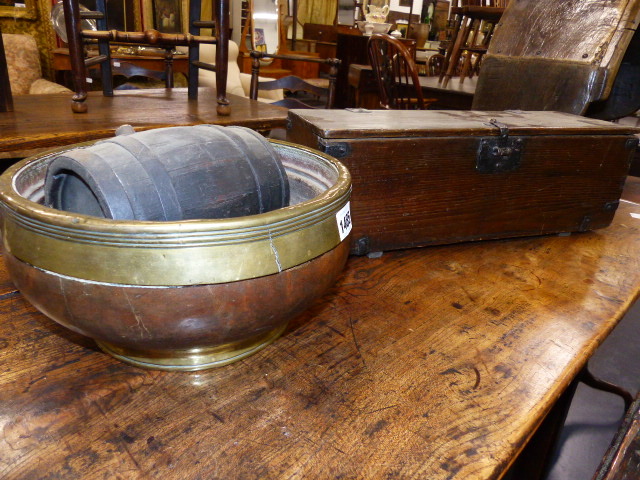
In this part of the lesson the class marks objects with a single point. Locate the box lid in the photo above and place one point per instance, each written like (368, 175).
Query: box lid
(362, 123)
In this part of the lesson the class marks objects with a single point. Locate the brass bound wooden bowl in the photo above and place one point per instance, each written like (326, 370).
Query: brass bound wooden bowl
(179, 295)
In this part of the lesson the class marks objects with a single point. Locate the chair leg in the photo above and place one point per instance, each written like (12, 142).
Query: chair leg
(456, 52)
(222, 55)
(104, 50)
(447, 56)
(468, 56)
(194, 50)
(71, 20)
(333, 74)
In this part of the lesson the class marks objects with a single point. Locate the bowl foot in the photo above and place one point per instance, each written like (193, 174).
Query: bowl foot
(193, 359)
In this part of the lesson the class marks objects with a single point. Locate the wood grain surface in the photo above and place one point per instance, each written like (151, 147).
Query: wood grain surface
(378, 124)
(550, 55)
(40, 122)
(586, 31)
(433, 363)
(418, 178)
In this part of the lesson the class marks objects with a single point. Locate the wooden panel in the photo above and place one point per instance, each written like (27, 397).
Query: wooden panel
(578, 31)
(551, 55)
(431, 363)
(538, 84)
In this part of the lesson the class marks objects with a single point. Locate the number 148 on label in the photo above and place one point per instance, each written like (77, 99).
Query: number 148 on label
(343, 218)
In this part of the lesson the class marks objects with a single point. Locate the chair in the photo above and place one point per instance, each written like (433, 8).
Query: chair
(76, 37)
(470, 17)
(23, 65)
(396, 73)
(293, 84)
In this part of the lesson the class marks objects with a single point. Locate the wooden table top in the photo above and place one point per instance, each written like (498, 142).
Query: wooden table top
(452, 97)
(428, 363)
(39, 122)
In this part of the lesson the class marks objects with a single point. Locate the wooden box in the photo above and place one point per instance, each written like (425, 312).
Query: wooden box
(436, 177)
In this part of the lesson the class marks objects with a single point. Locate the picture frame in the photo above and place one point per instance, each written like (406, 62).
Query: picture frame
(167, 16)
(402, 28)
(259, 42)
(18, 8)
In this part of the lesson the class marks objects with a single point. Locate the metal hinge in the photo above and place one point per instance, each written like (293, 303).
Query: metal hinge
(501, 153)
(335, 149)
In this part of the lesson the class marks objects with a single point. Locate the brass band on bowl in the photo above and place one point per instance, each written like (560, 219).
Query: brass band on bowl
(179, 253)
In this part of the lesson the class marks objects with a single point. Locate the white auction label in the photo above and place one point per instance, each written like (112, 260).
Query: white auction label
(116, 64)
(343, 217)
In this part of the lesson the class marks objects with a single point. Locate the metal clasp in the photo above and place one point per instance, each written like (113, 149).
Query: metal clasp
(499, 154)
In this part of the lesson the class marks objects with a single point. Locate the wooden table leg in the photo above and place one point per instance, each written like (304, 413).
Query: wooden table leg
(534, 462)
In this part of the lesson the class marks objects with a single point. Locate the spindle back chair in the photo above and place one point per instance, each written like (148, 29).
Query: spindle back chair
(77, 38)
(396, 73)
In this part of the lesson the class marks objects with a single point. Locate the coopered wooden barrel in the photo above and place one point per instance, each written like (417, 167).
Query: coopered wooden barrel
(174, 173)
